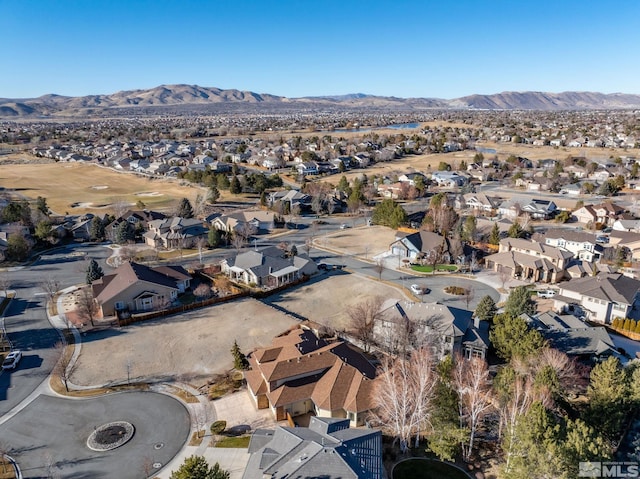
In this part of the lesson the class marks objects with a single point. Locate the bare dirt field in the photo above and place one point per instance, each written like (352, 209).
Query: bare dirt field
(80, 188)
(326, 299)
(366, 242)
(189, 347)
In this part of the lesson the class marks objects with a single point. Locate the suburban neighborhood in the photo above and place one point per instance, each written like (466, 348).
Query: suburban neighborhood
(321, 302)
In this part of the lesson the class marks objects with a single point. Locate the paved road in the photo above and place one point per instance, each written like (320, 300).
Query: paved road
(49, 437)
(26, 320)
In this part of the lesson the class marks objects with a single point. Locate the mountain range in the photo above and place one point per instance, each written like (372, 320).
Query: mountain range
(175, 98)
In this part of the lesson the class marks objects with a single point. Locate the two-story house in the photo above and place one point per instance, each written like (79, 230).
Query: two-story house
(581, 244)
(529, 260)
(601, 298)
(174, 232)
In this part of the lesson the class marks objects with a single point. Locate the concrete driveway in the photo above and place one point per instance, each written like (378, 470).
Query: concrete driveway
(49, 437)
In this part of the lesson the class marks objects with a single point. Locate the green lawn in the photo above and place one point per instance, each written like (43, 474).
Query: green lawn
(427, 469)
(240, 442)
(429, 268)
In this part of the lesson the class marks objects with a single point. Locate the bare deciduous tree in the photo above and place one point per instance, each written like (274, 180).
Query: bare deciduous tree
(379, 267)
(50, 286)
(363, 317)
(469, 294)
(472, 383)
(62, 367)
(5, 284)
(87, 307)
(120, 207)
(203, 291)
(404, 395)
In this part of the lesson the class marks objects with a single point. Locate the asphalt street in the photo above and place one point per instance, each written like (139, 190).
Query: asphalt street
(49, 437)
(26, 320)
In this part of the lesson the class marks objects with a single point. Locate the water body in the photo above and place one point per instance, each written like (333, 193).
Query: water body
(489, 151)
(397, 126)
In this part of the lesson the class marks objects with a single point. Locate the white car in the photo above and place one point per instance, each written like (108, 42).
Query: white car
(416, 289)
(344, 226)
(548, 293)
(12, 360)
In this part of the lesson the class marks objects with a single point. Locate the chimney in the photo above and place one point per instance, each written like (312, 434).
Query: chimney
(476, 322)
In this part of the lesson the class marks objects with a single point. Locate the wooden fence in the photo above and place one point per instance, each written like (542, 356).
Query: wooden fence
(138, 317)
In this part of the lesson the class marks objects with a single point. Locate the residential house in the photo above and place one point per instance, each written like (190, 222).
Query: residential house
(327, 449)
(134, 287)
(307, 168)
(450, 330)
(572, 336)
(536, 208)
(292, 197)
(600, 298)
(480, 202)
(449, 179)
(581, 244)
(268, 267)
(138, 219)
(628, 239)
(603, 213)
(252, 221)
(300, 373)
(422, 244)
(174, 232)
(626, 225)
(529, 260)
(411, 178)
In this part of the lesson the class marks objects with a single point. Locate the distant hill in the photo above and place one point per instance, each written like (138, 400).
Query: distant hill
(187, 97)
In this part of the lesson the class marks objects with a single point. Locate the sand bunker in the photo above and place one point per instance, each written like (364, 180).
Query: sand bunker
(150, 193)
(99, 187)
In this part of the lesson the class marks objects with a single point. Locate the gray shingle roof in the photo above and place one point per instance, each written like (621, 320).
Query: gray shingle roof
(609, 287)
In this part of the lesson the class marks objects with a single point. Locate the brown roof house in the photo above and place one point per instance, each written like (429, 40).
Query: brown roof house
(134, 287)
(421, 244)
(530, 260)
(300, 373)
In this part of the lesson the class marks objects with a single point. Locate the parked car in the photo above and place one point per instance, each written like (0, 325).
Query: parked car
(417, 289)
(547, 293)
(12, 360)
(344, 226)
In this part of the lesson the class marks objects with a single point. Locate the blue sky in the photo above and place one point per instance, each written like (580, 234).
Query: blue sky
(295, 48)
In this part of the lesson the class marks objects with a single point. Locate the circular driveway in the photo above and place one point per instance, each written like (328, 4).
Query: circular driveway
(49, 437)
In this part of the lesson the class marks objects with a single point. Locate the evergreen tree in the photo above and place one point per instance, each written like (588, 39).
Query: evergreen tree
(223, 181)
(627, 325)
(185, 210)
(608, 394)
(214, 237)
(240, 361)
(516, 231)
(512, 337)
(96, 230)
(235, 187)
(519, 302)
(486, 309)
(494, 237)
(469, 228)
(389, 213)
(124, 233)
(263, 198)
(41, 205)
(17, 247)
(94, 271)
(196, 467)
(214, 194)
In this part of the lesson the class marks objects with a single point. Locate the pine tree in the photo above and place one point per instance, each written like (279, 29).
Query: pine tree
(235, 188)
(486, 309)
(240, 361)
(96, 230)
(494, 237)
(94, 271)
(197, 467)
(214, 194)
(214, 237)
(627, 324)
(185, 210)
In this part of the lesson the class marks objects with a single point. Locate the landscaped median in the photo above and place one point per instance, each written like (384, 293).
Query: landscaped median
(440, 268)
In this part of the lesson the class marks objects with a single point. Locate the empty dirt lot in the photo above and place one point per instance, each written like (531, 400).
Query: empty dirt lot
(188, 347)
